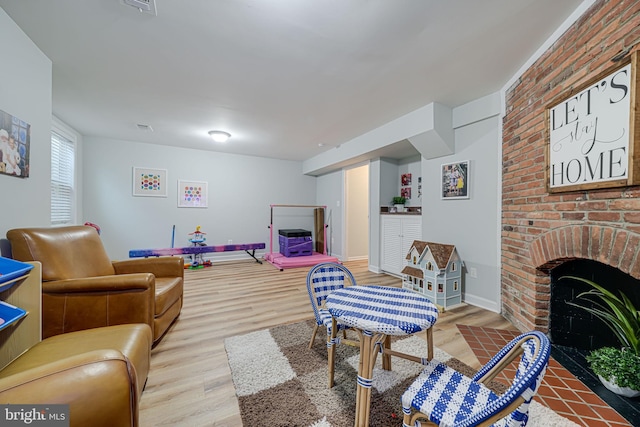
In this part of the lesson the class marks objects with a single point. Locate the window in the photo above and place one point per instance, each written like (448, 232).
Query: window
(62, 179)
(453, 266)
(429, 266)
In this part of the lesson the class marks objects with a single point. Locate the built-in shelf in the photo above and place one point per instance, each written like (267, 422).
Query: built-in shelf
(408, 210)
(20, 308)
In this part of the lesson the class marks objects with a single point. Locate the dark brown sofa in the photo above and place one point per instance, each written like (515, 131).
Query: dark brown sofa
(82, 288)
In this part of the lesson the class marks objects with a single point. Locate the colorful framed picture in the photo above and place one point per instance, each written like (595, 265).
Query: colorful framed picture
(455, 180)
(192, 194)
(405, 192)
(148, 182)
(405, 178)
(15, 141)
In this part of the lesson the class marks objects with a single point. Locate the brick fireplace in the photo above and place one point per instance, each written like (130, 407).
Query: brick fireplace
(540, 230)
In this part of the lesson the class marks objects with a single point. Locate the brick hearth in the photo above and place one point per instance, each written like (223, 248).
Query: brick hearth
(541, 230)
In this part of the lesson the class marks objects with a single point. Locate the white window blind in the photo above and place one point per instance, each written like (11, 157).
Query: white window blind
(62, 164)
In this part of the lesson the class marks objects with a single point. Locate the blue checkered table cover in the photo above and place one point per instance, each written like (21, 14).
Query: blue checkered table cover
(381, 309)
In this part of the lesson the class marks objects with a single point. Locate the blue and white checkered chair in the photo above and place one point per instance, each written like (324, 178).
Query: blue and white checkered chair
(444, 397)
(323, 279)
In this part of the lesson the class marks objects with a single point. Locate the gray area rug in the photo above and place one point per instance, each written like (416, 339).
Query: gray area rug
(280, 382)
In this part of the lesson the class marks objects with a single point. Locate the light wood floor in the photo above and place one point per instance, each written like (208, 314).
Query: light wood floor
(190, 382)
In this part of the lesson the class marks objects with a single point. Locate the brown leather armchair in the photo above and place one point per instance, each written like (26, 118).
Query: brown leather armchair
(100, 373)
(82, 288)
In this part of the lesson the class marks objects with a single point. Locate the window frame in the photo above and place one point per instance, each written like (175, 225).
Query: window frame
(69, 134)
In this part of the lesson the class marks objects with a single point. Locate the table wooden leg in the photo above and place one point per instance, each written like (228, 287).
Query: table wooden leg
(331, 350)
(368, 355)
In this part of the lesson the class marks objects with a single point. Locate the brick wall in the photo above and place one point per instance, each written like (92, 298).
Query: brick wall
(541, 230)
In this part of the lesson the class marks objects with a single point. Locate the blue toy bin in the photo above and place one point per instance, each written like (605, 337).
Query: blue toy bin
(9, 314)
(11, 269)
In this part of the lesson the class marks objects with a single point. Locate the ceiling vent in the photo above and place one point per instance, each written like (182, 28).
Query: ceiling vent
(144, 6)
(145, 128)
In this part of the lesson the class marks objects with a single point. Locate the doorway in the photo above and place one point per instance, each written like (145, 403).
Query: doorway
(356, 209)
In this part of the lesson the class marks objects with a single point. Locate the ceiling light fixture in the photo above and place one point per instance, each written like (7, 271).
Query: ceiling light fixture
(219, 136)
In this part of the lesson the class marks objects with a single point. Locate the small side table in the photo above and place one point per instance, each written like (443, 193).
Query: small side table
(376, 313)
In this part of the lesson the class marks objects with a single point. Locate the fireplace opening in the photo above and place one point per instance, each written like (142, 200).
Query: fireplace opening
(574, 332)
(574, 327)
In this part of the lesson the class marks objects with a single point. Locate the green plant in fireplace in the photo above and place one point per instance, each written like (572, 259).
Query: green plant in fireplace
(615, 366)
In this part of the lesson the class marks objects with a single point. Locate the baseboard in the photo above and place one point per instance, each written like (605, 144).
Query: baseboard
(481, 302)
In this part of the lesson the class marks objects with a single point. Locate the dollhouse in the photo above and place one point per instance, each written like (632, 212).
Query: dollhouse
(434, 270)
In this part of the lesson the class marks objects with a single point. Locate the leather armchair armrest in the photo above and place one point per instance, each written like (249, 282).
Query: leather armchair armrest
(91, 302)
(99, 386)
(115, 283)
(166, 266)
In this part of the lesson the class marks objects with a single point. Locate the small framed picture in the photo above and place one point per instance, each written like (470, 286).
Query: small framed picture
(192, 194)
(455, 180)
(149, 182)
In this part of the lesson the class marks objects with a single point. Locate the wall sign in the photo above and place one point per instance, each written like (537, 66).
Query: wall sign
(593, 132)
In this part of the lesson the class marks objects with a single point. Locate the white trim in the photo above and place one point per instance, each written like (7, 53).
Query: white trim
(68, 132)
(481, 302)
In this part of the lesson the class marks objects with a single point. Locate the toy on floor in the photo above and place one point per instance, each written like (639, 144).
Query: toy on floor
(197, 259)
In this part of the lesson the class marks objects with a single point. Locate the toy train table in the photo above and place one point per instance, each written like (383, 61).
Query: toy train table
(196, 250)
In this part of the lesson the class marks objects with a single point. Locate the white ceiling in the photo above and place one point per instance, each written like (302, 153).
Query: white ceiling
(282, 76)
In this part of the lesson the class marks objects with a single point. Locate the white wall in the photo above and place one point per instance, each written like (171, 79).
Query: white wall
(241, 190)
(25, 93)
(470, 224)
(330, 193)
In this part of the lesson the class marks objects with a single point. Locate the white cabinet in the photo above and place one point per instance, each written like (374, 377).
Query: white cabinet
(396, 236)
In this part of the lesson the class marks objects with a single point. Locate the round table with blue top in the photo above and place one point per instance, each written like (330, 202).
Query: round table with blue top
(376, 313)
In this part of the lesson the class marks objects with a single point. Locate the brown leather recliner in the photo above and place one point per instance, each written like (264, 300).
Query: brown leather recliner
(82, 288)
(100, 373)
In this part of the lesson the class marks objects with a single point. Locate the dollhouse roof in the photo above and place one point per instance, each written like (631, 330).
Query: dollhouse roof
(413, 272)
(441, 252)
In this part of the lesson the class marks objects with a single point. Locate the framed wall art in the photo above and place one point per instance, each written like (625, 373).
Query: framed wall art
(405, 192)
(192, 194)
(148, 182)
(15, 140)
(455, 180)
(593, 132)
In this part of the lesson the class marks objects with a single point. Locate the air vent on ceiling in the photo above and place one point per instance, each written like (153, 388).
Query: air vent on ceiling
(144, 6)
(145, 128)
